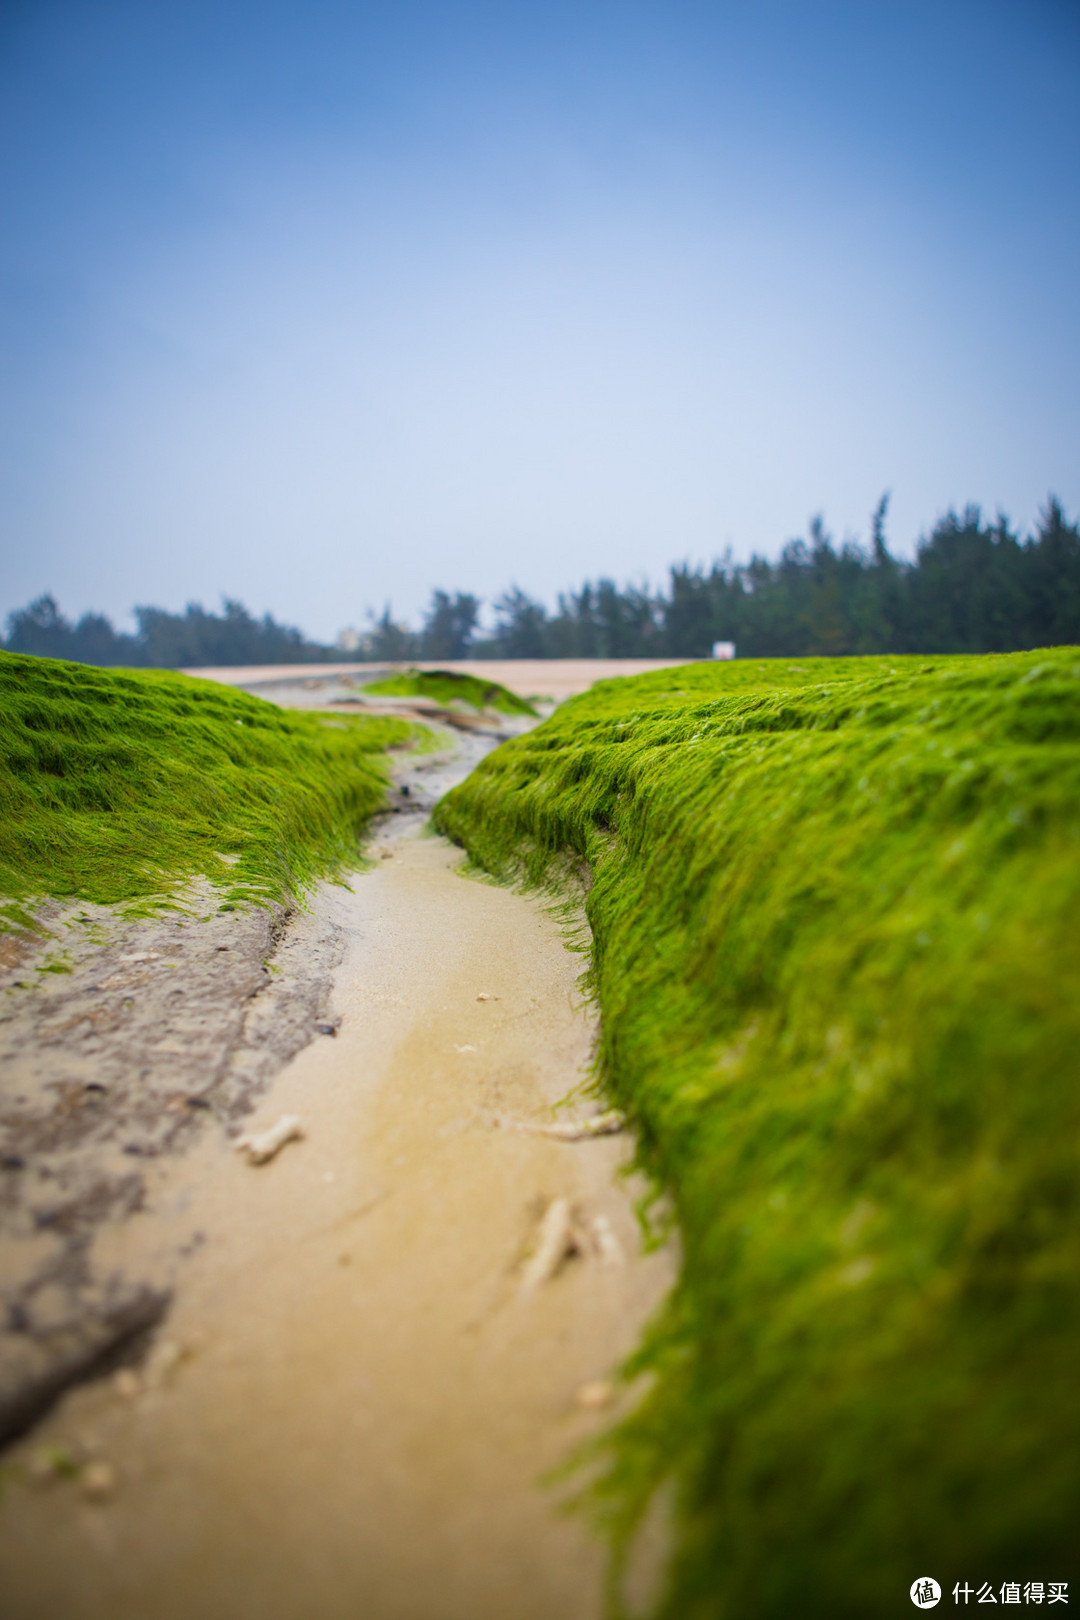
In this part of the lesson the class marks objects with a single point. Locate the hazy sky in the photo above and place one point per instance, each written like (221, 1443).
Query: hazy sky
(324, 304)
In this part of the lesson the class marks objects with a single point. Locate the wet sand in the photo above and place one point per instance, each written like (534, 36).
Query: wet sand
(349, 1407)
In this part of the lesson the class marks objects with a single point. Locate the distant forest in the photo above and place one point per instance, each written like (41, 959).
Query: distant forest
(972, 587)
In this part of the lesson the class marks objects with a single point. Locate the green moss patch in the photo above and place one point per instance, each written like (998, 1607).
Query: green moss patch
(119, 785)
(834, 910)
(447, 686)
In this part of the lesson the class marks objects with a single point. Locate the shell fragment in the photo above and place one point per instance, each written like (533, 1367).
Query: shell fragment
(261, 1148)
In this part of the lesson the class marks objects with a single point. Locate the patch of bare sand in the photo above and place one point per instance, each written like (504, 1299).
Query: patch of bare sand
(361, 1400)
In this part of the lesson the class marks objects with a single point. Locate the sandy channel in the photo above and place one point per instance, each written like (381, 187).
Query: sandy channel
(349, 1408)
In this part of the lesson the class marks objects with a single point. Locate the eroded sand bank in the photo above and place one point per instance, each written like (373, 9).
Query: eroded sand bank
(350, 1404)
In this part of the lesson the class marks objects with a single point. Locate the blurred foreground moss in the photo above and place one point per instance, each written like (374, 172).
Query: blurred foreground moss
(119, 785)
(835, 908)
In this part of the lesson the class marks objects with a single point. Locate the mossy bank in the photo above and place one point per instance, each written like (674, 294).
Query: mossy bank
(451, 686)
(834, 911)
(119, 785)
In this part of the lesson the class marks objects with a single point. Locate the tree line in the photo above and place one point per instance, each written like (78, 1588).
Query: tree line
(188, 640)
(973, 586)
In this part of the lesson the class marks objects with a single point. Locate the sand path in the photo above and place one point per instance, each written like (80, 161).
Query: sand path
(351, 1403)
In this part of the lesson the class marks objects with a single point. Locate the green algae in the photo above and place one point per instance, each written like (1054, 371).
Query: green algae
(835, 945)
(121, 785)
(448, 686)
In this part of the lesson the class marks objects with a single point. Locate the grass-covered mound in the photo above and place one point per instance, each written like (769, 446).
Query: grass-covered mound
(836, 920)
(117, 785)
(448, 686)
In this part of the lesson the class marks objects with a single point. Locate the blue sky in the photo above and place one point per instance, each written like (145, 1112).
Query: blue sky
(325, 305)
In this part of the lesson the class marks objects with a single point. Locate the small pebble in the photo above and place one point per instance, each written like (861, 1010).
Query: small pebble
(98, 1481)
(483, 996)
(127, 1383)
(594, 1395)
(606, 1244)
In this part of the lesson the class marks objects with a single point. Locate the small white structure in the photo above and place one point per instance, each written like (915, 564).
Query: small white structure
(262, 1148)
(723, 649)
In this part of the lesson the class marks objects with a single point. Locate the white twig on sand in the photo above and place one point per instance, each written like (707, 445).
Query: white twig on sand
(262, 1148)
(555, 1240)
(575, 1130)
